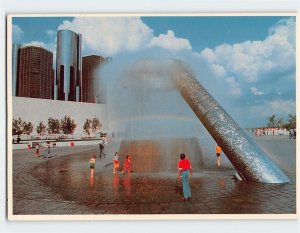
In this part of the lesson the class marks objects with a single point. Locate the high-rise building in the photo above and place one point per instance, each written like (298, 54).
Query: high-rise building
(68, 66)
(90, 77)
(15, 62)
(34, 73)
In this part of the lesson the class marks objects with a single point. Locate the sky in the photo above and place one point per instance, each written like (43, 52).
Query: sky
(247, 63)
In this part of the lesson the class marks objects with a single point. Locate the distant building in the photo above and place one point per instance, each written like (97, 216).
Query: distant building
(68, 66)
(15, 62)
(33, 73)
(90, 77)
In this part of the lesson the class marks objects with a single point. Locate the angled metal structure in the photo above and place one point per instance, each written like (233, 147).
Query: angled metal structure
(248, 159)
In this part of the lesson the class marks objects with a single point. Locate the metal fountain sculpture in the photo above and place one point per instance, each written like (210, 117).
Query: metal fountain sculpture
(250, 161)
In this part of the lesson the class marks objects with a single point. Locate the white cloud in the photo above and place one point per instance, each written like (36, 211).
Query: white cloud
(277, 107)
(283, 106)
(34, 43)
(209, 55)
(50, 47)
(251, 61)
(282, 31)
(237, 65)
(218, 70)
(169, 41)
(234, 88)
(51, 33)
(111, 35)
(17, 33)
(255, 91)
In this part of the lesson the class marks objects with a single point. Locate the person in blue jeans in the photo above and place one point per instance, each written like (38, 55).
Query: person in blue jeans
(184, 172)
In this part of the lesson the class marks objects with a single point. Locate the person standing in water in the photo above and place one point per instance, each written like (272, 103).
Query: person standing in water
(92, 164)
(126, 164)
(116, 162)
(184, 172)
(101, 147)
(47, 154)
(37, 150)
(218, 152)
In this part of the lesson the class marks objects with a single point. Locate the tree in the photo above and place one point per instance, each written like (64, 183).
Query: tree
(280, 123)
(292, 121)
(41, 128)
(17, 126)
(96, 125)
(272, 121)
(87, 126)
(28, 128)
(53, 126)
(21, 127)
(68, 125)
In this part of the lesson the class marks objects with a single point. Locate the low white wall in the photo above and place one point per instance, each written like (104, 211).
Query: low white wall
(36, 110)
(24, 144)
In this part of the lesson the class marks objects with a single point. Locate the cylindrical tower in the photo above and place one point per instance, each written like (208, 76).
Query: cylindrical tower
(35, 73)
(15, 62)
(90, 77)
(68, 66)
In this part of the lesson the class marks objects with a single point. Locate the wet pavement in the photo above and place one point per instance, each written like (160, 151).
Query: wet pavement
(62, 185)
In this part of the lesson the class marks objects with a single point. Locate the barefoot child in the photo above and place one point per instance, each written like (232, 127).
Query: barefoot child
(218, 152)
(126, 164)
(37, 151)
(116, 162)
(92, 165)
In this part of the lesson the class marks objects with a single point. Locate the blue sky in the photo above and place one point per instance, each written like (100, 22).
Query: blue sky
(202, 32)
(246, 63)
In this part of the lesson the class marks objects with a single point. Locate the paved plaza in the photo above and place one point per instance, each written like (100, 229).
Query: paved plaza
(62, 185)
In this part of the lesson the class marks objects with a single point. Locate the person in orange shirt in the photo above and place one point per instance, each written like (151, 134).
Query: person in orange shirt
(116, 162)
(218, 152)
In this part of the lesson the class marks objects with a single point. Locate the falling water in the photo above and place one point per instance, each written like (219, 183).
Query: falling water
(150, 116)
(151, 119)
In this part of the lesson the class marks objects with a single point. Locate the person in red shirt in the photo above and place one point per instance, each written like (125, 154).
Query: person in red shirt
(126, 164)
(184, 172)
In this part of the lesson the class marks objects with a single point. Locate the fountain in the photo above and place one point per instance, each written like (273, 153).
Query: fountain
(248, 159)
(143, 109)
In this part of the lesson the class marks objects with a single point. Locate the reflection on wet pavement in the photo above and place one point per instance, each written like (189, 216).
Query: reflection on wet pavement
(39, 187)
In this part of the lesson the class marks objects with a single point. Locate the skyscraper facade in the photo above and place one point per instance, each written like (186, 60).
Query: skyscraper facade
(90, 77)
(15, 62)
(35, 73)
(68, 66)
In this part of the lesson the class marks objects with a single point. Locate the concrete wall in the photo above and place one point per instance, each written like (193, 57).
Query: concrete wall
(36, 110)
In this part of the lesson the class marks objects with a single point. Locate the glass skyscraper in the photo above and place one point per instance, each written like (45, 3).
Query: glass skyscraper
(90, 77)
(68, 85)
(15, 62)
(34, 72)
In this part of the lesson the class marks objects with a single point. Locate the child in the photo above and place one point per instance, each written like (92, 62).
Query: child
(126, 164)
(218, 152)
(37, 153)
(47, 154)
(92, 165)
(116, 162)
